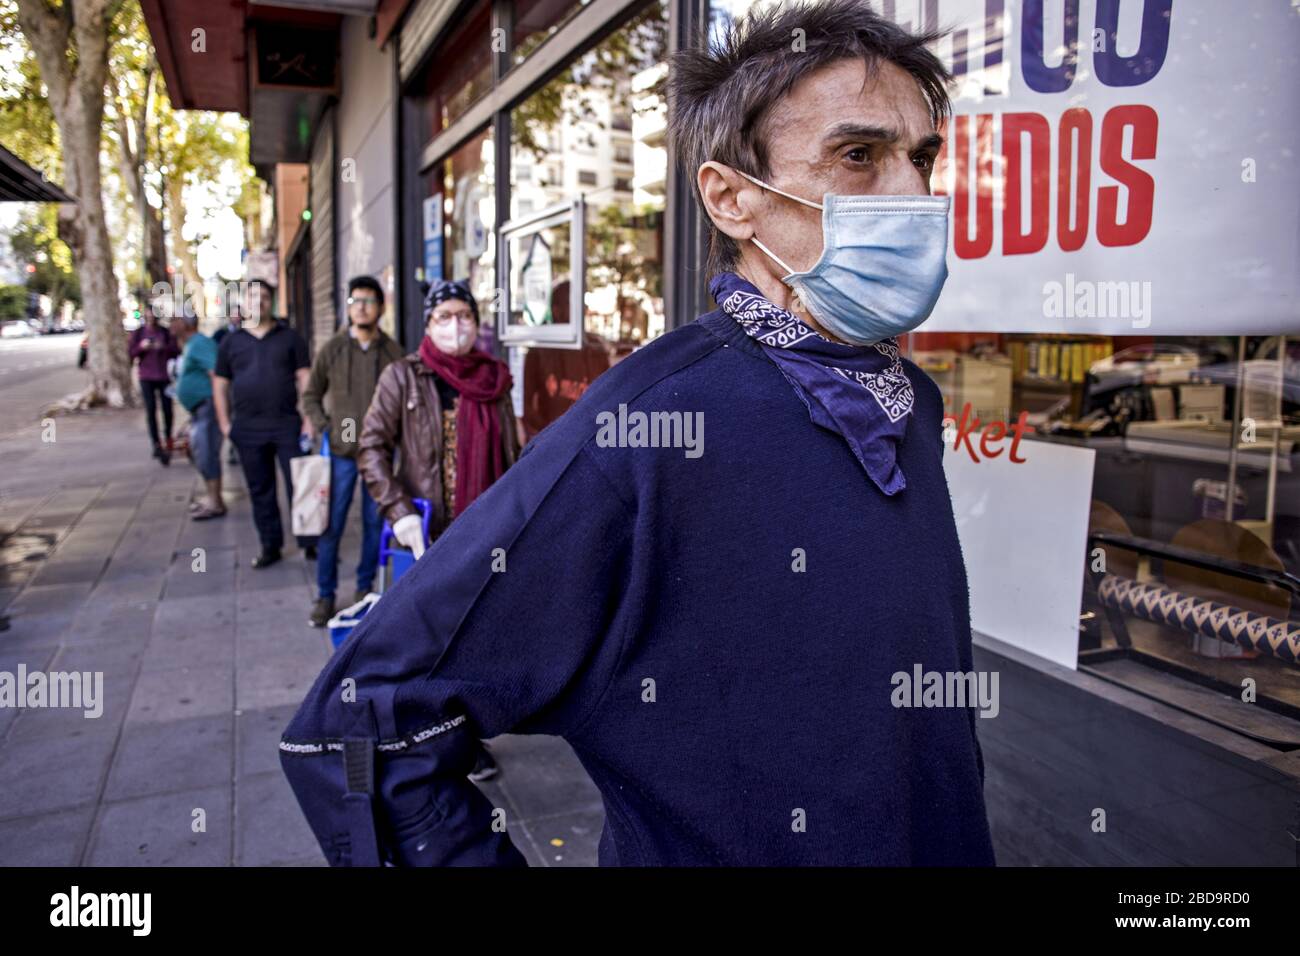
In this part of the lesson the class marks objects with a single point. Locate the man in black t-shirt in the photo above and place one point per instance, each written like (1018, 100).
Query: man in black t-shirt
(266, 365)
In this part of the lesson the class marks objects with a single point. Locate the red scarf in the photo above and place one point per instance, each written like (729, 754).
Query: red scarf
(481, 380)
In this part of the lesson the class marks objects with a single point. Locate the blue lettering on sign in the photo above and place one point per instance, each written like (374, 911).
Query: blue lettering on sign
(433, 259)
(1040, 77)
(1110, 68)
(1115, 70)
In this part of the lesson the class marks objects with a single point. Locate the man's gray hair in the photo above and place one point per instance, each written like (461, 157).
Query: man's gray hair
(721, 95)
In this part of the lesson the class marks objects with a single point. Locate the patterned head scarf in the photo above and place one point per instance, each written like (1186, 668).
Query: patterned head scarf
(446, 289)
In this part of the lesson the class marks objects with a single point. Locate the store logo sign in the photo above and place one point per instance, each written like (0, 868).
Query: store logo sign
(964, 431)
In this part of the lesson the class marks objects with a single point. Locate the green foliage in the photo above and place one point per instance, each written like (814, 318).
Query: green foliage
(13, 302)
(27, 126)
(35, 240)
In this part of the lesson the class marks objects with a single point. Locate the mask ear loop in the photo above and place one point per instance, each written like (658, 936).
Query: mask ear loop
(759, 182)
(773, 256)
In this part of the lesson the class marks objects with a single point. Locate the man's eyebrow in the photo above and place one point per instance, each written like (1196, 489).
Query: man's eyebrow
(876, 134)
(934, 141)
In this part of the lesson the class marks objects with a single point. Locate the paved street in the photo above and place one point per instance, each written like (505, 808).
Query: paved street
(33, 373)
(201, 670)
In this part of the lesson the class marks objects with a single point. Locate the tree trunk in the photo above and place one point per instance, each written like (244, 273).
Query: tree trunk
(107, 360)
(174, 197)
(71, 46)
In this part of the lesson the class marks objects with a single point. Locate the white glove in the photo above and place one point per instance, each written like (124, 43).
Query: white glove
(409, 532)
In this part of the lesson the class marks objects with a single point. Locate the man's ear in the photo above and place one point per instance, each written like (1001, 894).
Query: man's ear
(724, 192)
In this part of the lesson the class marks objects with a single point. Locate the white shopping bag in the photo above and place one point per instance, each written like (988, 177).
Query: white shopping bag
(311, 494)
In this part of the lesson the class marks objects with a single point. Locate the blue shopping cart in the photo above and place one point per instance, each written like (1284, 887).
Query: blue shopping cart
(395, 561)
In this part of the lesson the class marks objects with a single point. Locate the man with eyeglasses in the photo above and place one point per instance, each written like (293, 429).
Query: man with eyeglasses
(342, 382)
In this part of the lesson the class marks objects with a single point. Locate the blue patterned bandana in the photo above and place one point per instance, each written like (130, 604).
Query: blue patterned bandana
(859, 392)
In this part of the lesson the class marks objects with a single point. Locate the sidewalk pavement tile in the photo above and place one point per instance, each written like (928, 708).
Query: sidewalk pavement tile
(158, 830)
(272, 681)
(55, 773)
(257, 738)
(80, 571)
(182, 692)
(209, 647)
(183, 754)
(270, 826)
(119, 664)
(34, 659)
(568, 839)
(53, 839)
(122, 623)
(50, 598)
(555, 781)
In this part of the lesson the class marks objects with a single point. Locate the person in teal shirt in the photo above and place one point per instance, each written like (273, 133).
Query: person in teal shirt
(194, 392)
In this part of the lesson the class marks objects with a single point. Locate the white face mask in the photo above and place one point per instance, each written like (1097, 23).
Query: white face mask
(454, 338)
(882, 267)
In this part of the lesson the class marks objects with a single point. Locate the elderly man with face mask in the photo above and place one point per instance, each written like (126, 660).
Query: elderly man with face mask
(716, 622)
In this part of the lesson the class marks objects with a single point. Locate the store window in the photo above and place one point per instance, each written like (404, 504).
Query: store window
(460, 220)
(536, 20)
(1197, 443)
(455, 83)
(608, 105)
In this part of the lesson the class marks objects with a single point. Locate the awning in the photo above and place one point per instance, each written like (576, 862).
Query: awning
(277, 65)
(20, 183)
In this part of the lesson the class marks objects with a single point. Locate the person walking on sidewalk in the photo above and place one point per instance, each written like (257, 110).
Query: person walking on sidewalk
(343, 377)
(267, 367)
(152, 347)
(194, 392)
(234, 322)
(445, 413)
(718, 630)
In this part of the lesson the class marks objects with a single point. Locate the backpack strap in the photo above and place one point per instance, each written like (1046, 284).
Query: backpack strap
(358, 800)
(359, 787)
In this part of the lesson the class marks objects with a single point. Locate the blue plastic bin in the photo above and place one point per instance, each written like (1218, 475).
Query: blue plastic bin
(342, 623)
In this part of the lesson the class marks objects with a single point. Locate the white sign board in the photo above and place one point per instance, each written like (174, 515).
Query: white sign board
(263, 265)
(1131, 170)
(1023, 527)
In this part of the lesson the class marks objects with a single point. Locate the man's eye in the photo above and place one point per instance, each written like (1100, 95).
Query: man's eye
(924, 162)
(858, 154)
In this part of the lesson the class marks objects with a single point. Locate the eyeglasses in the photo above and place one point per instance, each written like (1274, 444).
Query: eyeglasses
(446, 318)
(362, 300)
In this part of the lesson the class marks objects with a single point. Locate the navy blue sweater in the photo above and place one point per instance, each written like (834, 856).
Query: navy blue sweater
(730, 708)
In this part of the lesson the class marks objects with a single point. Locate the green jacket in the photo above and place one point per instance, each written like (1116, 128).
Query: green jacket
(342, 382)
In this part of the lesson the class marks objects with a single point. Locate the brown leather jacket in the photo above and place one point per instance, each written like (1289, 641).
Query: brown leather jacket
(405, 417)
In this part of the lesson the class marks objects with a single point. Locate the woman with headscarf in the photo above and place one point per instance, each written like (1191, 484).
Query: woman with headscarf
(445, 413)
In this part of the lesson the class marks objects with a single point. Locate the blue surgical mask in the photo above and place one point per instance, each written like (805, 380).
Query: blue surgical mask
(883, 264)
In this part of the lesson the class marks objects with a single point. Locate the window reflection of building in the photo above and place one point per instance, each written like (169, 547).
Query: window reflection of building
(465, 183)
(598, 129)
(455, 83)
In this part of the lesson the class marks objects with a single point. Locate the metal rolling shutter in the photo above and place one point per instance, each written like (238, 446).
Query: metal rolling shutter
(424, 21)
(321, 204)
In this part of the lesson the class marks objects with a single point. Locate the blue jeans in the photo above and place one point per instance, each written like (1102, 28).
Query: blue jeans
(205, 440)
(343, 479)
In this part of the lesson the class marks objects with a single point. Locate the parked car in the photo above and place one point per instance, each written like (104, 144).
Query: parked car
(17, 330)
